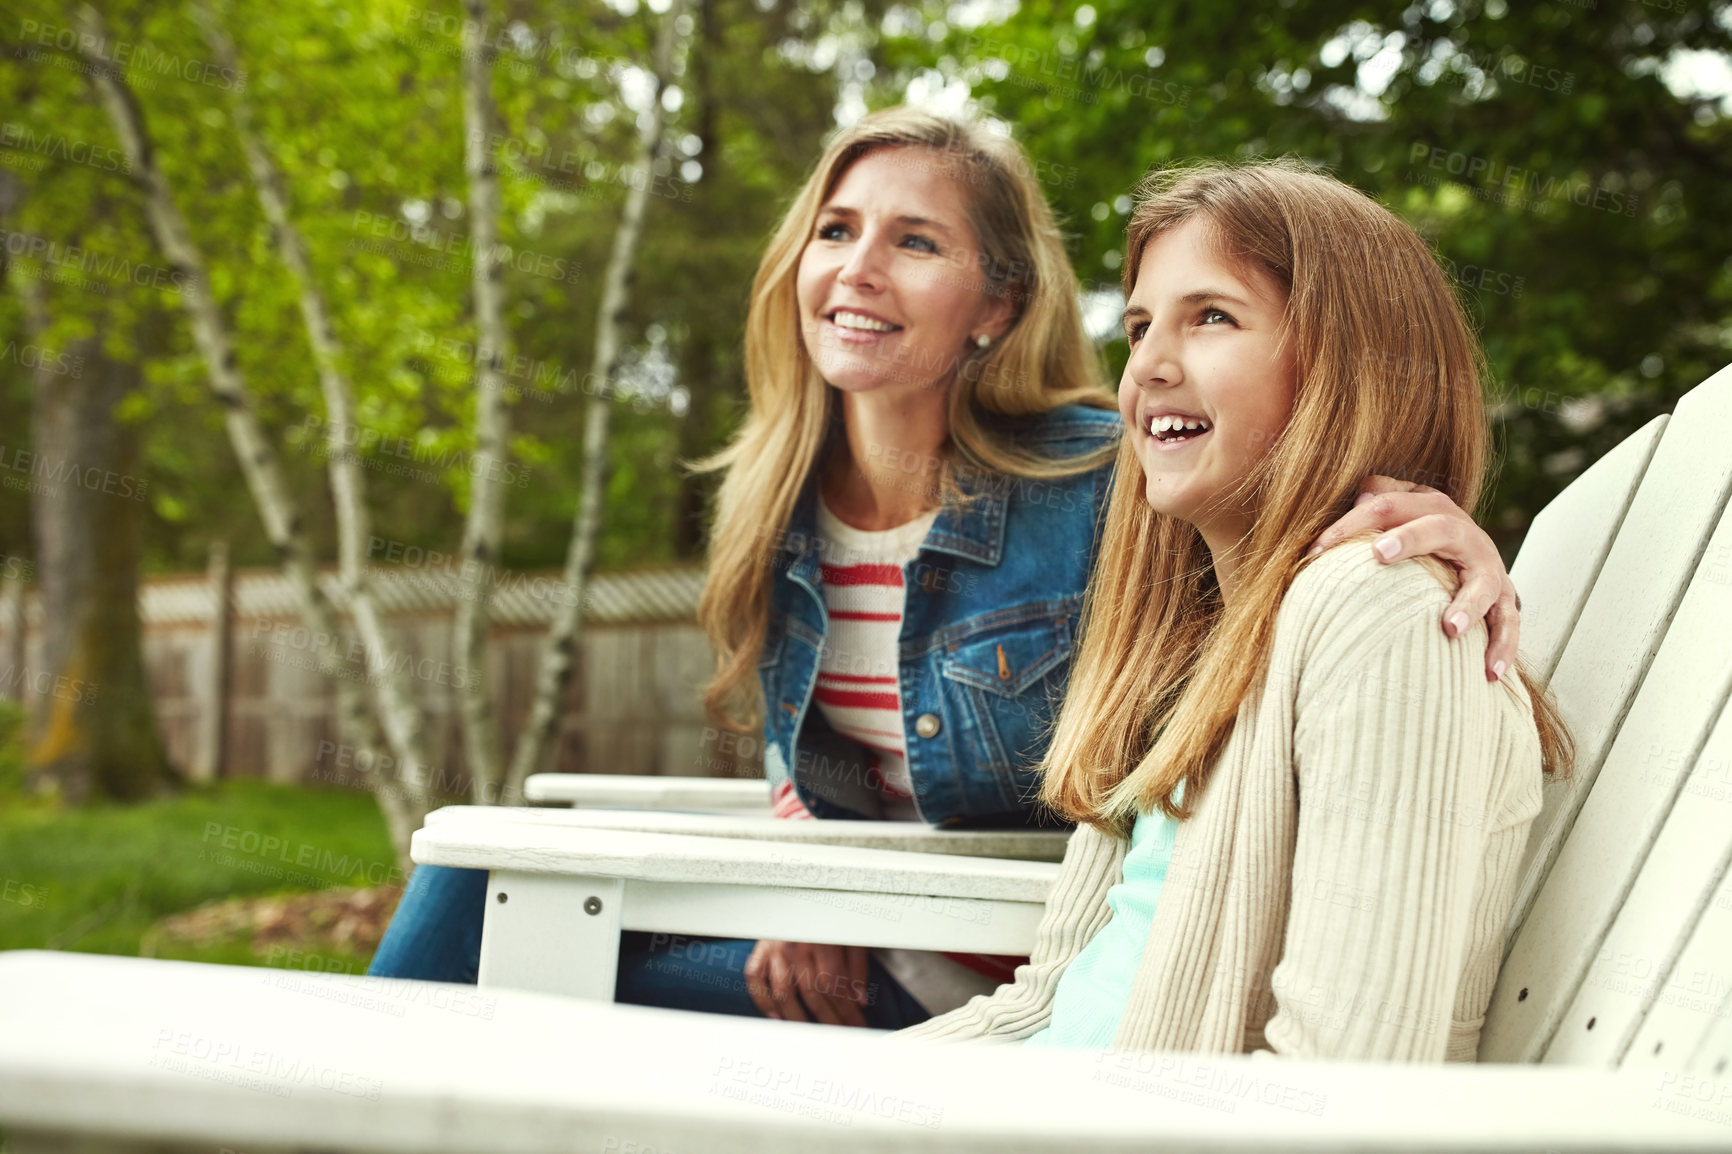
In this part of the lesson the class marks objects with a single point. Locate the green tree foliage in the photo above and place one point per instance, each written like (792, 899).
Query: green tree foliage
(1581, 204)
(1579, 199)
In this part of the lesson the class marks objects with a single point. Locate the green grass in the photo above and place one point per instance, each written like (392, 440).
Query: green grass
(96, 879)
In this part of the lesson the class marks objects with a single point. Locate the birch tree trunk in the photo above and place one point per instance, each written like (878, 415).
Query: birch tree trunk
(392, 698)
(259, 462)
(559, 650)
(699, 361)
(483, 524)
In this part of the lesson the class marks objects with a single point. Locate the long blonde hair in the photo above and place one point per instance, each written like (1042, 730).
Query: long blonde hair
(1044, 361)
(1388, 376)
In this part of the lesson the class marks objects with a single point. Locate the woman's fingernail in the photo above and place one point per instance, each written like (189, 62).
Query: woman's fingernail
(1388, 547)
(1497, 668)
(1459, 620)
(1314, 550)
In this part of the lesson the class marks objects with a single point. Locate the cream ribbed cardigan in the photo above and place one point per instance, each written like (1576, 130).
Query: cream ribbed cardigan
(1342, 887)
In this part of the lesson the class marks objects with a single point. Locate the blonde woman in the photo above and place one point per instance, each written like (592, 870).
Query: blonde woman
(1302, 809)
(905, 529)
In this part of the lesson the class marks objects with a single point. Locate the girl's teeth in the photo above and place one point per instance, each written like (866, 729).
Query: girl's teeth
(1160, 426)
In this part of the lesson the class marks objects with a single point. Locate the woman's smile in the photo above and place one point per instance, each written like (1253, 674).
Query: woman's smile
(854, 326)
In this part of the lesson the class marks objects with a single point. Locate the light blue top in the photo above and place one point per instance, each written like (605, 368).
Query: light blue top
(1095, 988)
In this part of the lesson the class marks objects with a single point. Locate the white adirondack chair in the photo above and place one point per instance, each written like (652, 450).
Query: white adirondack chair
(1614, 993)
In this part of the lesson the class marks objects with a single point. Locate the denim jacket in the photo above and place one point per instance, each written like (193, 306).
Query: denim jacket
(988, 629)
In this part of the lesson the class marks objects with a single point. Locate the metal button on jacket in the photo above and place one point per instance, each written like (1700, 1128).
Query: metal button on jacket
(927, 725)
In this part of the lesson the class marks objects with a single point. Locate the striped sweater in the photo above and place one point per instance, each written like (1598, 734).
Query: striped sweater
(1342, 887)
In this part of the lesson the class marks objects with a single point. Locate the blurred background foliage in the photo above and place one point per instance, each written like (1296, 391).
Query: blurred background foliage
(1571, 163)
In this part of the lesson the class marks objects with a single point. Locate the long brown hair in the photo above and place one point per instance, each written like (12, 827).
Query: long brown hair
(1044, 361)
(1388, 375)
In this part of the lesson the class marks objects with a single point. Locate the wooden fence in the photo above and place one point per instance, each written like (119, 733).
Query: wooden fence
(245, 698)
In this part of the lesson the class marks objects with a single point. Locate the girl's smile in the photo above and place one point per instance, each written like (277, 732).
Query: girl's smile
(1171, 429)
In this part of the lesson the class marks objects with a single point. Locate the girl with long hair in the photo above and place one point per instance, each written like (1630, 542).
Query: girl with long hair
(1301, 809)
(904, 531)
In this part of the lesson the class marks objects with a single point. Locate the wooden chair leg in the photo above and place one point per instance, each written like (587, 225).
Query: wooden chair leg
(557, 934)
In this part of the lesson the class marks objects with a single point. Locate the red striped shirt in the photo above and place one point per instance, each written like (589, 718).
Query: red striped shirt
(859, 669)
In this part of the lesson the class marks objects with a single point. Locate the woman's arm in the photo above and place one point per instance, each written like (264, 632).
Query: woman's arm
(1076, 909)
(1416, 521)
(1407, 764)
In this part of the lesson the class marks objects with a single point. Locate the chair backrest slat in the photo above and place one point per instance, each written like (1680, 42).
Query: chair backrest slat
(1693, 995)
(1710, 1058)
(1713, 1059)
(1644, 669)
(1567, 544)
(1638, 959)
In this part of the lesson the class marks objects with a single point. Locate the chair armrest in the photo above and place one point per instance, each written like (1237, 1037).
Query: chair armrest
(559, 895)
(915, 837)
(521, 846)
(107, 1054)
(622, 791)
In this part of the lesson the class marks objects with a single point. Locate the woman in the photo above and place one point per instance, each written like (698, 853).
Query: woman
(1302, 810)
(903, 536)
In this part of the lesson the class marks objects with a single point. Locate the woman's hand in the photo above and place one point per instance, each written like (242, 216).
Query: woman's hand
(829, 981)
(1418, 521)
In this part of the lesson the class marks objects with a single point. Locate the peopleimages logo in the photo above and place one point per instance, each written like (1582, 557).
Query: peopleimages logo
(47, 360)
(315, 859)
(1509, 184)
(367, 445)
(66, 257)
(55, 147)
(1029, 62)
(442, 246)
(130, 57)
(94, 478)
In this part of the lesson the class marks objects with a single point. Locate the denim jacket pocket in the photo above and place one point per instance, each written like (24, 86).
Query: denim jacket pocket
(1001, 691)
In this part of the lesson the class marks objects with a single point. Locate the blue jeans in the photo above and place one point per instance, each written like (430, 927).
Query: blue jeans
(435, 935)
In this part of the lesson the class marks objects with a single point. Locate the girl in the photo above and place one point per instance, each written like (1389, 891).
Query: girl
(907, 523)
(1302, 808)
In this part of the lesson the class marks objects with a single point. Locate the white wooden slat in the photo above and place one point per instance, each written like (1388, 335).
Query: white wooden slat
(1713, 1058)
(549, 937)
(209, 1057)
(913, 837)
(1626, 616)
(902, 921)
(1599, 827)
(623, 791)
(1568, 541)
(526, 848)
(1695, 997)
(1636, 964)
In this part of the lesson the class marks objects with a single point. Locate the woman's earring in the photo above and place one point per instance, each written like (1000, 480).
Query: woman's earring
(983, 341)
